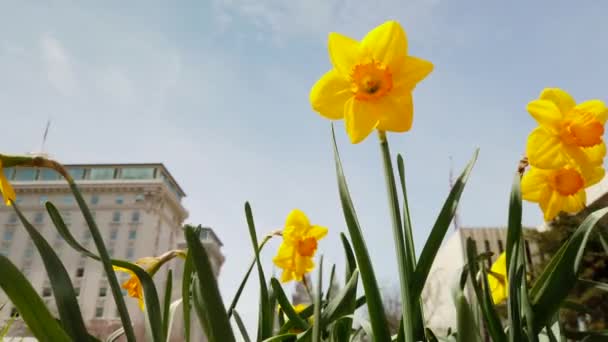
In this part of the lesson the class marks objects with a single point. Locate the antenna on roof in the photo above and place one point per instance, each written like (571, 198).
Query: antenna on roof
(456, 220)
(42, 152)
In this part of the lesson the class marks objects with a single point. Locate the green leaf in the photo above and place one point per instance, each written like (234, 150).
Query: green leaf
(351, 263)
(467, 330)
(595, 284)
(242, 329)
(368, 277)
(239, 291)
(332, 276)
(282, 337)
(199, 305)
(560, 275)
(220, 330)
(343, 303)
(186, 291)
(29, 304)
(513, 301)
(286, 305)
(265, 319)
(514, 224)
(105, 261)
(316, 327)
(405, 262)
(490, 316)
(172, 310)
(433, 243)
(63, 290)
(115, 335)
(167, 306)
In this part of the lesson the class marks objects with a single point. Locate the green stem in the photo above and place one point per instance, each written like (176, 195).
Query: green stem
(405, 265)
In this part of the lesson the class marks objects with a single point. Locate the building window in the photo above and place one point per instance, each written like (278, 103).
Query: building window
(39, 218)
(79, 272)
(25, 174)
(119, 199)
(46, 292)
(113, 234)
(5, 247)
(86, 236)
(132, 234)
(137, 173)
(12, 219)
(67, 217)
(8, 173)
(130, 253)
(139, 198)
(135, 217)
(77, 291)
(29, 250)
(48, 175)
(116, 217)
(103, 291)
(43, 199)
(94, 199)
(111, 252)
(76, 172)
(101, 173)
(99, 311)
(9, 232)
(68, 200)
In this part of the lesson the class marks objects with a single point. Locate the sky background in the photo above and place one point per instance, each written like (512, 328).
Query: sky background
(218, 91)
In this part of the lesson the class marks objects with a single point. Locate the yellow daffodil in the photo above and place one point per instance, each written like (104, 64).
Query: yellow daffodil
(133, 285)
(7, 191)
(296, 252)
(568, 133)
(497, 279)
(561, 189)
(371, 83)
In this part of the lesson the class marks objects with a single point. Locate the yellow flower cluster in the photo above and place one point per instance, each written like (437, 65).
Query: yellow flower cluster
(296, 252)
(566, 152)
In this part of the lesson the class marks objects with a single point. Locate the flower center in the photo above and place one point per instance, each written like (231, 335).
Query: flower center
(583, 131)
(567, 181)
(307, 247)
(371, 81)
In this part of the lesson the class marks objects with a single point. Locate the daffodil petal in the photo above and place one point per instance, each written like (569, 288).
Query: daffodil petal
(534, 185)
(284, 257)
(361, 118)
(8, 193)
(318, 232)
(552, 206)
(303, 265)
(387, 44)
(593, 175)
(343, 52)
(597, 107)
(596, 154)
(398, 113)
(560, 98)
(329, 95)
(545, 150)
(287, 276)
(413, 71)
(546, 113)
(297, 218)
(575, 203)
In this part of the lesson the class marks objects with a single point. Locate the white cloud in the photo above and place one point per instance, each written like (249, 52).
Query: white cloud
(115, 83)
(58, 65)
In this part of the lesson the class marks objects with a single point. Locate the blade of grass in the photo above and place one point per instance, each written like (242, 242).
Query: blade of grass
(186, 295)
(265, 319)
(172, 310)
(514, 224)
(286, 305)
(368, 277)
(242, 329)
(63, 290)
(467, 331)
(29, 304)
(167, 306)
(316, 327)
(220, 329)
(404, 262)
(331, 283)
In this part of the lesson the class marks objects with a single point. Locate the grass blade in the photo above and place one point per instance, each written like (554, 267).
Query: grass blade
(467, 330)
(63, 290)
(242, 329)
(186, 295)
(560, 275)
(29, 304)
(433, 243)
(514, 224)
(316, 327)
(220, 329)
(286, 306)
(167, 306)
(351, 263)
(368, 277)
(343, 303)
(332, 275)
(172, 310)
(404, 262)
(265, 319)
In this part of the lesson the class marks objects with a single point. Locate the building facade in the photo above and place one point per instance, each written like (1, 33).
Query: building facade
(139, 212)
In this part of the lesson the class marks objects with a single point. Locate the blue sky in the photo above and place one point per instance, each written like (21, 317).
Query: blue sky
(218, 91)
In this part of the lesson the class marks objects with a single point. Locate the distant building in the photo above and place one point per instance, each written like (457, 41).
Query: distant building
(139, 211)
(439, 308)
